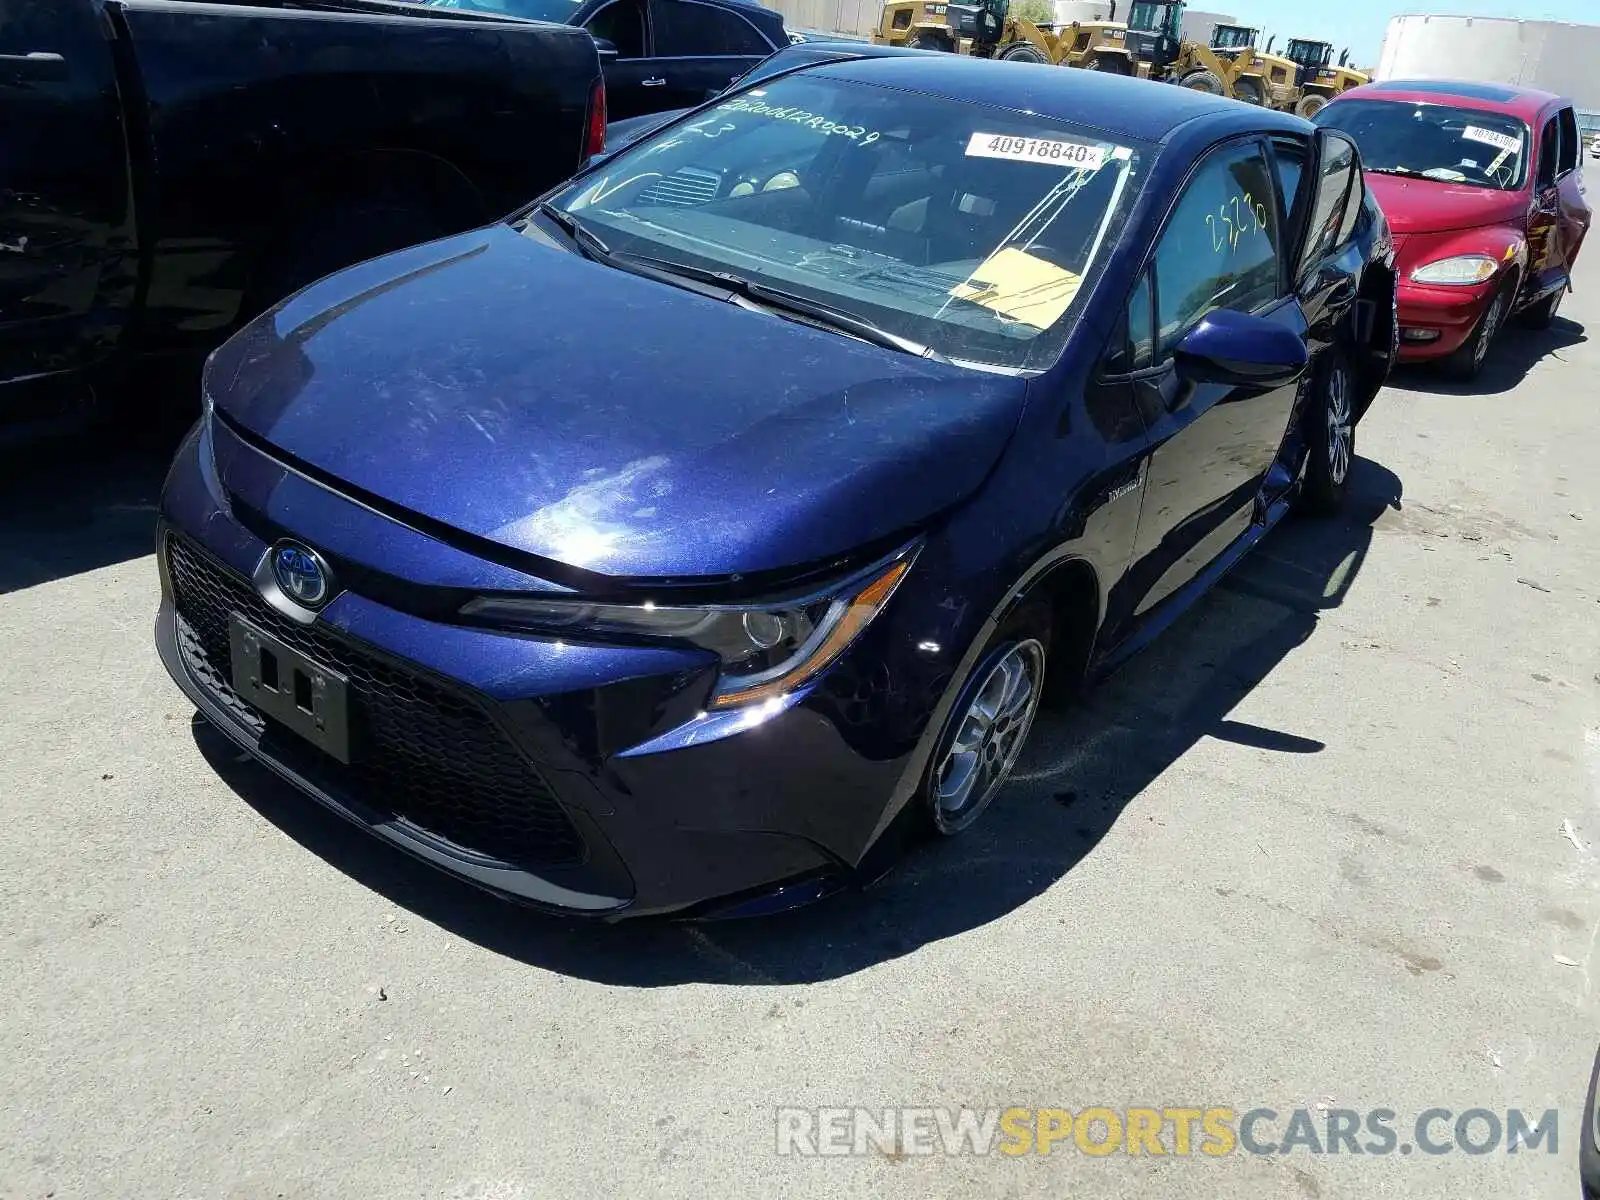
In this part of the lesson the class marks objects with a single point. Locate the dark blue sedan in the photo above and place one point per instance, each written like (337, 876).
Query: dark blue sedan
(663, 548)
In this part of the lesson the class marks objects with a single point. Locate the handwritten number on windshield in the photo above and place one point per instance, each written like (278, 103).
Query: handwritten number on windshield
(1236, 218)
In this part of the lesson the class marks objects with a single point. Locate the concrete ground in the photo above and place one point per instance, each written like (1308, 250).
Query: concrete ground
(1308, 852)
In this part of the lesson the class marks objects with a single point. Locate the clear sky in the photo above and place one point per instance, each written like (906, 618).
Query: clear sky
(1360, 24)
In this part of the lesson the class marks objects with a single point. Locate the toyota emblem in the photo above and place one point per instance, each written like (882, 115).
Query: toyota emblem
(300, 573)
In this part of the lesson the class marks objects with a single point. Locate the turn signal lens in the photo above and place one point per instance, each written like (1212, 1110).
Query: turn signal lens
(1462, 269)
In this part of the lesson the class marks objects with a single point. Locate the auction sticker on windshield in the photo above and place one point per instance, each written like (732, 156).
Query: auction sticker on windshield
(1500, 141)
(1042, 150)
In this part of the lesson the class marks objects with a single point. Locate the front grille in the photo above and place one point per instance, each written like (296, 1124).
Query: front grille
(425, 753)
(684, 188)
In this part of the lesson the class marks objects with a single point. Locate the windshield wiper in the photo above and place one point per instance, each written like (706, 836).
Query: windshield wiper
(588, 243)
(1388, 170)
(761, 297)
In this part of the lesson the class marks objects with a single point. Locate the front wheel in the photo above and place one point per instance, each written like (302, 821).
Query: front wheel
(1310, 106)
(1330, 433)
(1249, 90)
(1023, 52)
(930, 41)
(1467, 362)
(1205, 81)
(988, 724)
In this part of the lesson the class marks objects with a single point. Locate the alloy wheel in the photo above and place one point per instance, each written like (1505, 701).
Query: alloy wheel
(990, 734)
(1340, 432)
(1491, 325)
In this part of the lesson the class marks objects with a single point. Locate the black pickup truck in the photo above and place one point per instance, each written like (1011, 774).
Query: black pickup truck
(169, 168)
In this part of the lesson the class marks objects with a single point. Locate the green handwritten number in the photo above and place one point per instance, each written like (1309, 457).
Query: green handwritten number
(1236, 217)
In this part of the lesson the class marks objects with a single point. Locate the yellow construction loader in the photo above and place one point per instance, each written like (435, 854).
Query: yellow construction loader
(1230, 66)
(1233, 66)
(1318, 79)
(988, 30)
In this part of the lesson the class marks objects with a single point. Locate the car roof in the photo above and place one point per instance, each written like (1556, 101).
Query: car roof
(1485, 97)
(765, 10)
(1135, 108)
(749, 7)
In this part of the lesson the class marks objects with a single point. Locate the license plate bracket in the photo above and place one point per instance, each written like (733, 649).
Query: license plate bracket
(296, 691)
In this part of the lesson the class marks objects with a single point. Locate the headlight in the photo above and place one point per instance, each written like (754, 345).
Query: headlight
(766, 649)
(1462, 269)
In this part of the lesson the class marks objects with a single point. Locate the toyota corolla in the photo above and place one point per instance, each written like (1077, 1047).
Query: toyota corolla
(661, 548)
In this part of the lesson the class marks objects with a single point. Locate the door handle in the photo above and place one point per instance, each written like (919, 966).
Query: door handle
(36, 64)
(654, 83)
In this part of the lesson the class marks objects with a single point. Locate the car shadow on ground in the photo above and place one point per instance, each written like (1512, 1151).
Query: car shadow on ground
(1081, 771)
(1513, 354)
(78, 503)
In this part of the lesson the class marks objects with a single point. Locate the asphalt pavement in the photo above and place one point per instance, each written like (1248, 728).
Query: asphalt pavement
(1332, 844)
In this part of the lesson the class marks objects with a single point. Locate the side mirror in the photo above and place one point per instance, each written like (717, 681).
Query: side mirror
(1240, 350)
(608, 51)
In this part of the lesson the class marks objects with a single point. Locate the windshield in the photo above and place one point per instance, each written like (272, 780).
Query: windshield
(1147, 16)
(1310, 54)
(972, 230)
(559, 11)
(1434, 141)
(1232, 37)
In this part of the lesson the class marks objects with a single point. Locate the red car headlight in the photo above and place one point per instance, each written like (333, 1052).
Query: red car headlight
(1458, 270)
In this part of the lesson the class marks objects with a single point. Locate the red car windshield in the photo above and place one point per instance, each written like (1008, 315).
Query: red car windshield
(1434, 141)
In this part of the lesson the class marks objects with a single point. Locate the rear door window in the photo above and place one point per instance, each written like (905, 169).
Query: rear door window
(1352, 208)
(1550, 152)
(1289, 158)
(1571, 143)
(623, 25)
(686, 30)
(1326, 227)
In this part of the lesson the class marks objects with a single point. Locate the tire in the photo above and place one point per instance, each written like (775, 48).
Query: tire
(1249, 90)
(1543, 314)
(1310, 106)
(1466, 363)
(1110, 64)
(1023, 52)
(930, 41)
(1204, 81)
(1330, 435)
(1019, 651)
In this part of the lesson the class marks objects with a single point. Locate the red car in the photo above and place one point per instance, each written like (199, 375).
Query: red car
(1483, 187)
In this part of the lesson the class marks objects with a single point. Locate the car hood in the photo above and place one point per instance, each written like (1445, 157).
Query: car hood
(1427, 206)
(610, 423)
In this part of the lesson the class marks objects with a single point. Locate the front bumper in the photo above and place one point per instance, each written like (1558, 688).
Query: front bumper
(573, 778)
(1450, 312)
